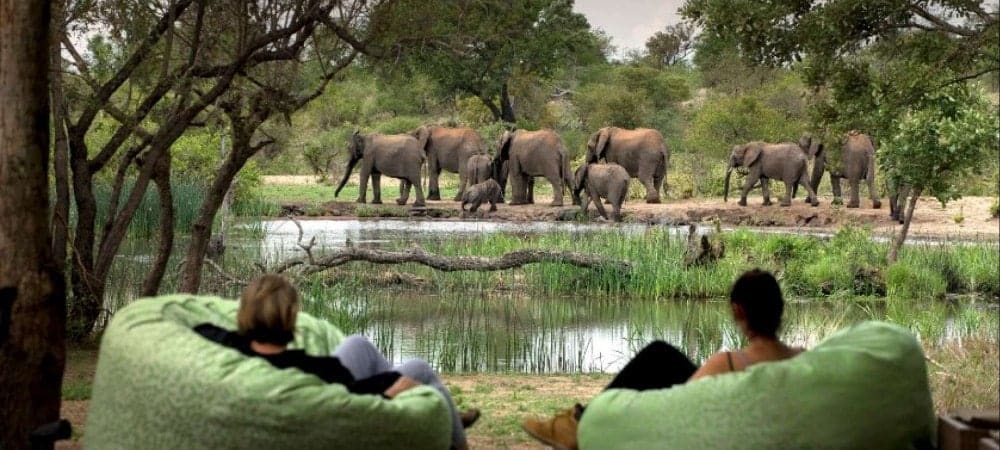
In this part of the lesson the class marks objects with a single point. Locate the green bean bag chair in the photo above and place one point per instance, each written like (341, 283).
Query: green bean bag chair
(862, 387)
(160, 385)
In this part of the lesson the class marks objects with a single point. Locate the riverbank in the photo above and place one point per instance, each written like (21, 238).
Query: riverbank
(962, 374)
(969, 218)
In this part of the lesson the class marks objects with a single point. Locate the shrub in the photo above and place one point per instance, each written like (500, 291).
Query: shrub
(472, 111)
(907, 281)
(398, 124)
(725, 121)
(603, 105)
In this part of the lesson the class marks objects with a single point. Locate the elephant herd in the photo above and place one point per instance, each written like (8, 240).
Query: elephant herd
(522, 155)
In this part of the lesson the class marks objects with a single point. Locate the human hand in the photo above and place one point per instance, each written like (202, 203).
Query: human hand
(402, 384)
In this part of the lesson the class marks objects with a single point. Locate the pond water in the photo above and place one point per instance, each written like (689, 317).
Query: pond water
(506, 331)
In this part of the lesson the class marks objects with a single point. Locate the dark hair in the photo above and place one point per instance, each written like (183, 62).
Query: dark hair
(760, 296)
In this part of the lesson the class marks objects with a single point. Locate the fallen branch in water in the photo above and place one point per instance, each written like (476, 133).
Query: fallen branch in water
(516, 258)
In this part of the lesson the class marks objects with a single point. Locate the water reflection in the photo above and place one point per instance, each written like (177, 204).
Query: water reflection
(512, 333)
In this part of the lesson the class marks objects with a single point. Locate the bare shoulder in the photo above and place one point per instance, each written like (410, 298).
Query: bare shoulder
(714, 365)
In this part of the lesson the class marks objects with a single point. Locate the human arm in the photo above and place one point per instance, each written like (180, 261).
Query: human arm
(402, 384)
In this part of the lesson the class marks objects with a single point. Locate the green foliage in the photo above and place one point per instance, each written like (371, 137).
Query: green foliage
(662, 88)
(725, 121)
(602, 105)
(941, 142)
(670, 46)
(399, 124)
(995, 209)
(473, 112)
(477, 48)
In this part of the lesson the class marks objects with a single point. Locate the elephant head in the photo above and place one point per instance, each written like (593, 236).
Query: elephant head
(813, 148)
(742, 156)
(597, 145)
(357, 149)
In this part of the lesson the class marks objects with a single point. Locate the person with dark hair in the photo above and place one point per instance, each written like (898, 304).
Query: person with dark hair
(265, 323)
(757, 306)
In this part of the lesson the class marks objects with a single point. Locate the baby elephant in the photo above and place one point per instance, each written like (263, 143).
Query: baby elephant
(487, 191)
(608, 181)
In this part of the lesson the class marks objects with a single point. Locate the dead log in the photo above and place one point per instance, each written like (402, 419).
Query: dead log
(513, 259)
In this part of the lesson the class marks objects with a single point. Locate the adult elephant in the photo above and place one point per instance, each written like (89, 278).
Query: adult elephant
(855, 162)
(642, 152)
(786, 162)
(393, 155)
(530, 154)
(448, 149)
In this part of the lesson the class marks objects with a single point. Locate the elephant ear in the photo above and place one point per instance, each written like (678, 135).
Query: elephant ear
(423, 135)
(806, 143)
(602, 142)
(357, 144)
(752, 154)
(503, 151)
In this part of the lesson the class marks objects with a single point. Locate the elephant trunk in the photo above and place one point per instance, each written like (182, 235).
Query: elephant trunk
(819, 165)
(725, 186)
(347, 174)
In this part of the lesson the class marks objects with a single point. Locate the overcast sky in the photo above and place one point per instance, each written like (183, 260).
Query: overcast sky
(630, 22)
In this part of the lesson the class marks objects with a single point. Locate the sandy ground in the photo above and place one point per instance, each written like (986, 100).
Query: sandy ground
(930, 219)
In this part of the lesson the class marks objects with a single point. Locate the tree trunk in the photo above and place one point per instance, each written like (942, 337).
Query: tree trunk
(506, 109)
(201, 231)
(60, 163)
(32, 293)
(897, 241)
(165, 198)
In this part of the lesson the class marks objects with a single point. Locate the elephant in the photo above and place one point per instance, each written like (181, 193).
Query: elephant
(487, 191)
(448, 149)
(857, 162)
(394, 155)
(641, 152)
(479, 168)
(786, 161)
(608, 181)
(529, 154)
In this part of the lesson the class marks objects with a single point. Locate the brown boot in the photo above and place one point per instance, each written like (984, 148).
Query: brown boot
(559, 431)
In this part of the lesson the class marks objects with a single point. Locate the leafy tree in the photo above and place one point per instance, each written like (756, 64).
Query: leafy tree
(602, 105)
(671, 46)
(937, 145)
(478, 48)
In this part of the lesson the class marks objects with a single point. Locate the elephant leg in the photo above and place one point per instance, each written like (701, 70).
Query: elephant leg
(529, 186)
(652, 190)
(617, 208)
(855, 201)
(433, 172)
(419, 201)
(377, 188)
(363, 183)
(838, 198)
(789, 187)
(493, 205)
(811, 194)
(597, 203)
(873, 192)
(517, 184)
(557, 189)
(747, 185)
(404, 192)
(463, 182)
(660, 182)
(765, 187)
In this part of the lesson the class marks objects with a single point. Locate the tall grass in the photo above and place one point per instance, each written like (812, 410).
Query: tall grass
(846, 266)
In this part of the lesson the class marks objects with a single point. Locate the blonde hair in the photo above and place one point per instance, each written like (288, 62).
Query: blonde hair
(268, 308)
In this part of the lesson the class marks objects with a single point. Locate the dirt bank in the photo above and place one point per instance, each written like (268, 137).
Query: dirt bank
(968, 218)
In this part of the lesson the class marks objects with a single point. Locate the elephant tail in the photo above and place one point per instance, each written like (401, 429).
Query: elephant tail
(564, 171)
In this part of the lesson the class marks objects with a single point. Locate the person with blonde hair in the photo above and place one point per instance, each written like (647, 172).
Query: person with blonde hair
(265, 325)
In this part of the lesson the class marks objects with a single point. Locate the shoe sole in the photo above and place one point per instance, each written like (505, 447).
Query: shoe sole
(545, 441)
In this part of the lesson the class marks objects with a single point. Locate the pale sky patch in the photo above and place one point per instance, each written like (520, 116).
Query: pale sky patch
(630, 22)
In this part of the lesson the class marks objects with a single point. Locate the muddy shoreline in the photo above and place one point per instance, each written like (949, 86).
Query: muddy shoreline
(964, 219)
